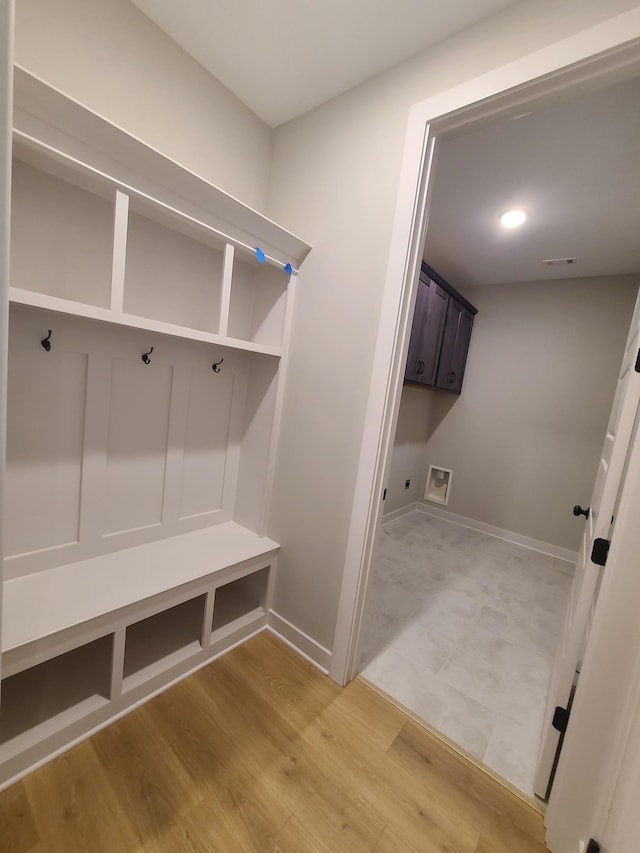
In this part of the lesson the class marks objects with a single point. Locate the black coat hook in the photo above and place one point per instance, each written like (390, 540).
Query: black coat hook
(46, 342)
(145, 356)
(216, 367)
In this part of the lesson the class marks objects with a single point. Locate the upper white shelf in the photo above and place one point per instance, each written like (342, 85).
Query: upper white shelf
(42, 604)
(134, 239)
(55, 119)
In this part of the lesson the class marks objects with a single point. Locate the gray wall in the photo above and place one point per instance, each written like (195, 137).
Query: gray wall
(524, 437)
(409, 458)
(110, 57)
(334, 179)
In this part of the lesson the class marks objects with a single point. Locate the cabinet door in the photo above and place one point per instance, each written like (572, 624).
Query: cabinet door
(426, 332)
(455, 345)
(414, 357)
(432, 333)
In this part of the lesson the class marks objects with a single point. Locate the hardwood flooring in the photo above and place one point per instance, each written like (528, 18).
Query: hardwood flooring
(260, 752)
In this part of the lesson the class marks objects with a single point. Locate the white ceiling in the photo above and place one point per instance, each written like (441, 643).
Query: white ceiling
(284, 57)
(575, 168)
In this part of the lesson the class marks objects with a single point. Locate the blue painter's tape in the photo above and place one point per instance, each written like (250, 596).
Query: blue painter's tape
(288, 269)
(261, 256)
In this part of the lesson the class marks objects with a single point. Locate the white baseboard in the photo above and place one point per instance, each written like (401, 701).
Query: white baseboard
(517, 539)
(398, 513)
(300, 642)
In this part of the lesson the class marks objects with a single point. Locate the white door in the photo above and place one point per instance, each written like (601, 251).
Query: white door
(598, 526)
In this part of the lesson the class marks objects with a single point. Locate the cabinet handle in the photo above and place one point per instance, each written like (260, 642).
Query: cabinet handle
(452, 377)
(420, 367)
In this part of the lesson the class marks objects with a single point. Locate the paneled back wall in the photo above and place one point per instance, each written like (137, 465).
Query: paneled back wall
(105, 451)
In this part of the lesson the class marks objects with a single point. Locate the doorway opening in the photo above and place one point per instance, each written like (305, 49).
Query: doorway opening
(520, 460)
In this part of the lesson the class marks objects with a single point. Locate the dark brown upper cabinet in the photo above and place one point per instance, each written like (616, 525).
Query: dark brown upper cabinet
(440, 334)
(426, 332)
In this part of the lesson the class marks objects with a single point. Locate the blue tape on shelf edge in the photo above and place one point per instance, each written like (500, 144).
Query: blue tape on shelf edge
(288, 269)
(261, 256)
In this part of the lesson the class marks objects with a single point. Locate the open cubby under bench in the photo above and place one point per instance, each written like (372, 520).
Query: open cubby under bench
(85, 641)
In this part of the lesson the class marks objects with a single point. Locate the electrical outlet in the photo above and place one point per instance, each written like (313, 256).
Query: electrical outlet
(407, 483)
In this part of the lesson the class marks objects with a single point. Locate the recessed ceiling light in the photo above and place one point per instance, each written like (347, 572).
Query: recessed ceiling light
(512, 218)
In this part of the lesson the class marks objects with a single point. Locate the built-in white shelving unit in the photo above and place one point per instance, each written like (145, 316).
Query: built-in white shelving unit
(148, 341)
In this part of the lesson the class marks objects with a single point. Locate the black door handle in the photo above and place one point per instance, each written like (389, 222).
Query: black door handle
(577, 510)
(452, 377)
(420, 369)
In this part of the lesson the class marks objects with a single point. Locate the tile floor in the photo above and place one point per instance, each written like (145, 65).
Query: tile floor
(461, 628)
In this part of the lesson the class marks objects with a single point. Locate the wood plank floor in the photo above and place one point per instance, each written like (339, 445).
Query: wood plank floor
(260, 752)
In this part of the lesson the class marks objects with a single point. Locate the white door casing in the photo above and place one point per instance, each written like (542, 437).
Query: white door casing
(607, 51)
(598, 525)
(6, 120)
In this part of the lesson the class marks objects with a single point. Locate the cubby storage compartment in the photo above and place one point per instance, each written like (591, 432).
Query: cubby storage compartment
(46, 698)
(258, 301)
(61, 237)
(240, 601)
(171, 276)
(163, 640)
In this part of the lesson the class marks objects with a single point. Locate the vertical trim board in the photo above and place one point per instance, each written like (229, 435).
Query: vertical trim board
(174, 465)
(234, 445)
(120, 228)
(117, 663)
(94, 461)
(279, 402)
(207, 622)
(225, 293)
(139, 416)
(6, 115)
